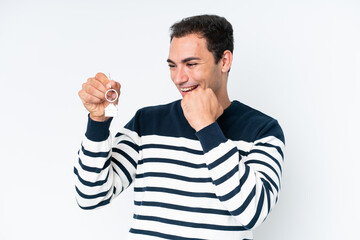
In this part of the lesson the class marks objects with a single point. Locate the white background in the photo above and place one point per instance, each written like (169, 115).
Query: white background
(298, 61)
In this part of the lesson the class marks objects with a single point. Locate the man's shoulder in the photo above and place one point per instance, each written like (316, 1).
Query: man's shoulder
(250, 113)
(250, 123)
(245, 113)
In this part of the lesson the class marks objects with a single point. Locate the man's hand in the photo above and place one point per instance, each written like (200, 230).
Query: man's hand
(92, 95)
(201, 108)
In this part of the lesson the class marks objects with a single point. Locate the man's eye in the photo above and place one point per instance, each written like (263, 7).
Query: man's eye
(171, 66)
(191, 64)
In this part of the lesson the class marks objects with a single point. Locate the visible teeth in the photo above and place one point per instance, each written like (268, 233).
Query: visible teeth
(188, 88)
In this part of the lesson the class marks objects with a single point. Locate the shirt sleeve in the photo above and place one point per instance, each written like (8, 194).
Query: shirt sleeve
(248, 185)
(105, 165)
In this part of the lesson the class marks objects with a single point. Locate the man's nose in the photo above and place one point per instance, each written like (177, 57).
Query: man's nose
(180, 76)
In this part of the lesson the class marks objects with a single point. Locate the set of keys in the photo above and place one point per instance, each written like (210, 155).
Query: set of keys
(111, 110)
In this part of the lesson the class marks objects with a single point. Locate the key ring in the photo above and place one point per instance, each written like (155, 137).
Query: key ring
(111, 101)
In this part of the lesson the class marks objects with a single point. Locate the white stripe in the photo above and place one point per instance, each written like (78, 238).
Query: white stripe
(188, 232)
(198, 202)
(172, 154)
(83, 202)
(98, 162)
(173, 141)
(128, 135)
(243, 145)
(175, 184)
(185, 171)
(264, 159)
(186, 216)
(91, 176)
(271, 174)
(271, 151)
(262, 167)
(271, 140)
(218, 151)
(102, 146)
(133, 154)
(93, 190)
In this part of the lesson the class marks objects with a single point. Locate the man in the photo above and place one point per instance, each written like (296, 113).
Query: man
(202, 167)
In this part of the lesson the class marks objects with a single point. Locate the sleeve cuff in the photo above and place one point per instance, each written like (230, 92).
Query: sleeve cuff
(211, 137)
(98, 131)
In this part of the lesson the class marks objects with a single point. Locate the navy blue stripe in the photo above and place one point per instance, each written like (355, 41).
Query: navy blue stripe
(94, 169)
(231, 194)
(102, 203)
(270, 180)
(223, 158)
(94, 154)
(270, 145)
(268, 155)
(172, 161)
(267, 184)
(90, 184)
(115, 171)
(189, 224)
(267, 188)
(243, 153)
(183, 208)
(130, 144)
(265, 164)
(125, 155)
(258, 211)
(245, 175)
(102, 194)
(173, 176)
(175, 191)
(122, 187)
(162, 146)
(246, 203)
(160, 235)
(127, 142)
(227, 176)
(123, 169)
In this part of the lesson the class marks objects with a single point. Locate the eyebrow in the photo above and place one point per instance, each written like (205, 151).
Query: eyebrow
(184, 60)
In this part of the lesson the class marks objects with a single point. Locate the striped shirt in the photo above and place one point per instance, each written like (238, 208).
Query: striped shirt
(217, 183)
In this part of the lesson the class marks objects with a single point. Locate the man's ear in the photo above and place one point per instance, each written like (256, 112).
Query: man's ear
(226, 61)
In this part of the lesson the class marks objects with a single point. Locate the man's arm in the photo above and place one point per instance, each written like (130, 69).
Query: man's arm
(247, 185)
(102, 171)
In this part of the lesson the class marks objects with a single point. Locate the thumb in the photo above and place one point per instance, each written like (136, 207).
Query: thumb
(116, 85)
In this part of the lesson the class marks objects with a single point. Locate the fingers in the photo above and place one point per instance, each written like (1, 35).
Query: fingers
(97, 84)
(102, 78)
(115, 85)
(93, 91)
(87, 98)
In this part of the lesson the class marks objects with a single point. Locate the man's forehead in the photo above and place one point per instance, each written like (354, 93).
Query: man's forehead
(188, 46)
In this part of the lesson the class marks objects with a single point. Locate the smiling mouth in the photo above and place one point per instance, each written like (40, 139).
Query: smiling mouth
(188, 89)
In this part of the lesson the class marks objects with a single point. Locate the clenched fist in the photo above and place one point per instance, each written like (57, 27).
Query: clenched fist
(92, 95)
(201, 108)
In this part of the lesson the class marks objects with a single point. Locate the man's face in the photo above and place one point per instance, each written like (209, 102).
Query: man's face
(192, 65)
